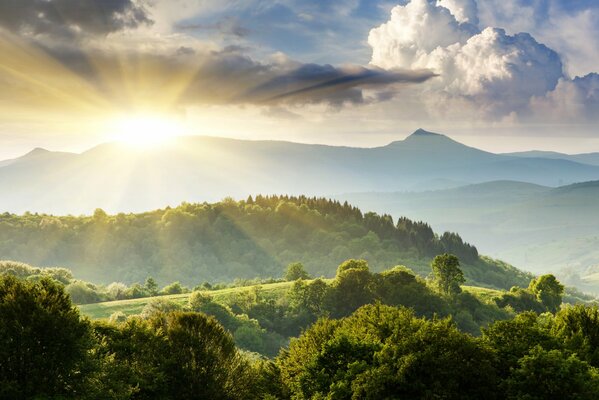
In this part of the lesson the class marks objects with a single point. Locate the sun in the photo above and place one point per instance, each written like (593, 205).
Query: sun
(146, 130)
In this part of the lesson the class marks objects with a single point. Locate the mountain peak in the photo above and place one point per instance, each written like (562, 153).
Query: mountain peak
(421, 133)
(36, 152)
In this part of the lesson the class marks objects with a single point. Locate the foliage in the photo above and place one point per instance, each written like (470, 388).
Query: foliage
(295, 271)
(228, 240)
(544, 374)
(386, 352)
(548, 291)
(43, 342)
(448, 274)
(174, 288)
(520, 300)
(377, 351)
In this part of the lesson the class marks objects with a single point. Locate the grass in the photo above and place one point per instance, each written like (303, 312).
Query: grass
(484, 294)
(135, 306)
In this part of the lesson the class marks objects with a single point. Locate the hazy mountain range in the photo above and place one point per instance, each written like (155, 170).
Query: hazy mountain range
(526, 208)
(120, 178)
(538, 228)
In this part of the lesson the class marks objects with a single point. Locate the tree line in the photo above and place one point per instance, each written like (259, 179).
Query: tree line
(358, 347)
(220, 242)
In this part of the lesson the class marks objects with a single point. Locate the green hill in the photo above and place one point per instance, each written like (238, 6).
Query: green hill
(231, 240)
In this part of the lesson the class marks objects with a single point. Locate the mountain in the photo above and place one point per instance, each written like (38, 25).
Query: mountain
(587, 158)
(195, 168)
(533, 227)
(232, 240)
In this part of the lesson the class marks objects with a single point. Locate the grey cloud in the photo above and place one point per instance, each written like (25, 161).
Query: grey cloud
(228, 26)
(68, 17)
(187, 75)
(315, 83)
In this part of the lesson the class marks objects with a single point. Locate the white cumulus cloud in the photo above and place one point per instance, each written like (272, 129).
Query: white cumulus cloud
(486, 72)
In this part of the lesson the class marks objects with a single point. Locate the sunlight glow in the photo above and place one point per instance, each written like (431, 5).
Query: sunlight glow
(146, 130)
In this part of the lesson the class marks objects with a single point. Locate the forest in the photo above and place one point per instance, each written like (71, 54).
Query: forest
(228, 240)
(361, 335)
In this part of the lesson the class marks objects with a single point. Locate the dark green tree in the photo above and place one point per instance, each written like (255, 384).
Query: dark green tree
(351, 289)
(448, 274)
(151, 286)
(383, 352)
(43, 342)
(548, 290)
(295, 271)
(577, 327)
(204, 362)
(551, 374)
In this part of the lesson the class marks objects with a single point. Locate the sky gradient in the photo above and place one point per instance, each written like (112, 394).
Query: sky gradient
(502, 75)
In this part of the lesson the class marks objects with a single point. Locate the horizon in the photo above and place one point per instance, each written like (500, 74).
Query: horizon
(469, 141)
(359, 74)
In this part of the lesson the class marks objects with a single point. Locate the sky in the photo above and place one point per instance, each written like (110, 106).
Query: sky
(502, 75)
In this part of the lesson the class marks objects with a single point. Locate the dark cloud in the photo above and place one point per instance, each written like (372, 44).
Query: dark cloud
(228, 26)
(326, 83)
(68, 17)
(205, 76)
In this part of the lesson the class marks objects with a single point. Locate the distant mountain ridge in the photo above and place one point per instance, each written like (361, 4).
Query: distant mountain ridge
(586, 158)
(118, 178)
(536, 228)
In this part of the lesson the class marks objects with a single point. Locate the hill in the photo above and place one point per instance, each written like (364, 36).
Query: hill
(120, 178)
(536, 228)
(587, 158)
(223, 241)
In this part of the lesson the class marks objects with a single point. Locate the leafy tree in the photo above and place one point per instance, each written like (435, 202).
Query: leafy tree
(82, 293)
(520, 300)
(352, 264)
(448, 274)
(352, 288)
(43, 342)
(117, 290)
(198, 299)
(548, 290)
(551, 374)
(173, 288)
(515, 338)
(309, 297)
(151, 286)
(577, 327)
(159, 306)
(386, 352)
(296, 271)
(203, 361)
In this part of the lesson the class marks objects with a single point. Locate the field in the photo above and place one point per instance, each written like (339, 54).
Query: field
(135, 306)
(484, 294)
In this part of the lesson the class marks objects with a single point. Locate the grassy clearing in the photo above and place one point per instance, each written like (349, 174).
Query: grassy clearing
(484, 294)
(135, 306)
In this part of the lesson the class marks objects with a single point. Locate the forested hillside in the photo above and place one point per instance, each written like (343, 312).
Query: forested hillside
(535, 228)
(223, 241)
(355, 350)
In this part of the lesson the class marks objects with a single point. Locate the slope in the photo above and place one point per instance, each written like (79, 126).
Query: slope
(118, 178)
(227, 240)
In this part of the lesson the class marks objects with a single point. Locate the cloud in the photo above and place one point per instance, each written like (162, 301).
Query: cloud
(70, 17)
(228, 26)
(572, 101)
(569, 27)
(177, 74)
(311, 83)
(489, 73)
(464, 11)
